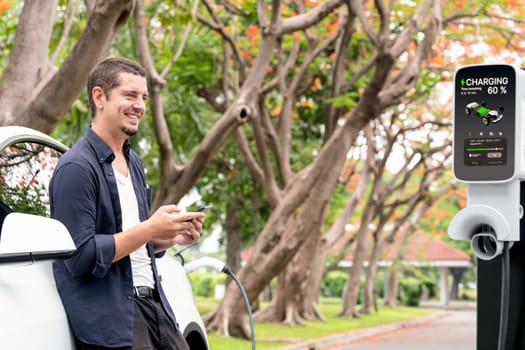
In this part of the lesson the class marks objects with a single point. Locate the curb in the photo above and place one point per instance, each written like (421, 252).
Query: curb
(321, 343)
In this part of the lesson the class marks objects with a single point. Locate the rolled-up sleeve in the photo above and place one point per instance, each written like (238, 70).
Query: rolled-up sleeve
(73, 194)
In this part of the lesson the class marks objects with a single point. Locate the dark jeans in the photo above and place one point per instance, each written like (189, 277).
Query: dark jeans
(152, 330)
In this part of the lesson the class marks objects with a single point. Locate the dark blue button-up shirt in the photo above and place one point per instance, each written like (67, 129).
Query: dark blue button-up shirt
(97, 294)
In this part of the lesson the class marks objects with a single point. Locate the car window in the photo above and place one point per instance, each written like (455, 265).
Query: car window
(25, 172)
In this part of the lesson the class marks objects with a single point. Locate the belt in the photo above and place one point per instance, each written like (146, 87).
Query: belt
(143, 292)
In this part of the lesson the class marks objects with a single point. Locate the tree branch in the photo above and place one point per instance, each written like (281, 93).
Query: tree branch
(251, 163)
(308, 19)
(338, 79)
(185, 35)
(65, 86)
(68, 23)
(30, 47)
(155, 86)
(357, 8)
(218, 27)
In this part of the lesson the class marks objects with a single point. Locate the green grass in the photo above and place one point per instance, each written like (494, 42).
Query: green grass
(273, 336)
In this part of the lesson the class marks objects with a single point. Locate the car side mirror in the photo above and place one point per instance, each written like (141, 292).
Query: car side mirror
(26, 237)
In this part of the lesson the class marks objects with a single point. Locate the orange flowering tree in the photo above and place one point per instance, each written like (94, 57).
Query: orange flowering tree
(286, 87)
(485, 33)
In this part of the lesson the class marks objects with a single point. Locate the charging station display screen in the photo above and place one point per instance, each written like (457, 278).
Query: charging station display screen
(484, 123)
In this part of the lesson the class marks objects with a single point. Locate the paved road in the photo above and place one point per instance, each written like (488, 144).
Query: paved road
(456, 330)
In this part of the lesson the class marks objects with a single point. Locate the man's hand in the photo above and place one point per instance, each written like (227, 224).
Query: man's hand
(175, 227)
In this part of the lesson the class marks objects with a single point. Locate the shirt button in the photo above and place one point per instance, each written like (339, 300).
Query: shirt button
(130, 297)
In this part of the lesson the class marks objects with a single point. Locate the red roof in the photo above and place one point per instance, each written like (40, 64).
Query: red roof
(421, 248)
(425, 247)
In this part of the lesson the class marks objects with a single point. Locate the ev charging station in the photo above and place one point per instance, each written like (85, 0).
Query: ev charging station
(489, 156)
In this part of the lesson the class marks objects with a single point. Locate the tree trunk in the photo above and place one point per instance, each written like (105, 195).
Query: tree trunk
(231, 315)
(312, 290)
(292, 289)
(360, 253)
(283, 308)
(319, 184)
(49, 105)
(457, 275)
(284, 233)
(31, 46)
(369, 289)
(233, 236)
(299, 208)
(392, 287)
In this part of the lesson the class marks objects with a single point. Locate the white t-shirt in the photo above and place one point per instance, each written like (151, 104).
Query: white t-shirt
(140, 260)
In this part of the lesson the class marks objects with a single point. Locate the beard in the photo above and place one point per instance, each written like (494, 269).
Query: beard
(129, 131)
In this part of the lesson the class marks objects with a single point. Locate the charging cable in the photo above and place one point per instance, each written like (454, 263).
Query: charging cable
(222, 267)
(504, 302)
(486, 247)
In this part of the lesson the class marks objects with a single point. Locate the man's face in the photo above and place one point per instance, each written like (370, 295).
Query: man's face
(125, 105)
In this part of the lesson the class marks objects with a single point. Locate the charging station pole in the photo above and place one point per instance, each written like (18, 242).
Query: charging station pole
(489, 301)
(489, 156)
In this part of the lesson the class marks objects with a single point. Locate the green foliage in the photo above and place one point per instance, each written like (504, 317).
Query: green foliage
(410, 291)
(28, 199)
(426, 81)
(24, 177)
(199, 66)
(8, 26)
(203, 283)
(337, 203)
(334, 283)
(431, 286)
(64, 10)
(228, 184)
(379, 285)
(78, 117)
(468, 295)
(74, 125)
(188, 116)
(188, 119)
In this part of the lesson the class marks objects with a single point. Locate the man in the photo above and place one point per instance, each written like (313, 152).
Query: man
(110, 287)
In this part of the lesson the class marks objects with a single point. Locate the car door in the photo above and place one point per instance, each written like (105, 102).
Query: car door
(31, 313)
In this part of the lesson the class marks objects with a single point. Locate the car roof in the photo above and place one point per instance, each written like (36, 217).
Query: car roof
(10, 134)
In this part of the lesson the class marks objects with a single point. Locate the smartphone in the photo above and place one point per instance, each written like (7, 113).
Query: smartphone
(204, 209)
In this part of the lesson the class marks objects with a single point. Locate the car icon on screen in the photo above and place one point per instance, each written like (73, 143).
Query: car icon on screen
(487, 115)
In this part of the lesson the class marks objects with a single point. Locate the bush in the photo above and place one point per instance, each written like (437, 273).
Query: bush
(334, 284)
(379, 285)
(410, 289)
(428, 278)
(203, 283)
(431, 286)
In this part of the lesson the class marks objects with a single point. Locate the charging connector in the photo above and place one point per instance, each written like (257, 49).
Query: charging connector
(485, 244)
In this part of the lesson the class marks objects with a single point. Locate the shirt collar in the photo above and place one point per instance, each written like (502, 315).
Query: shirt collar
(102, 150)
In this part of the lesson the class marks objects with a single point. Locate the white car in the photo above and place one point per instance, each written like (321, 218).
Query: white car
(31, 312)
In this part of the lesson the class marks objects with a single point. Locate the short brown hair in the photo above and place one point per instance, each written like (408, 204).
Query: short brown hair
(106, 74)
